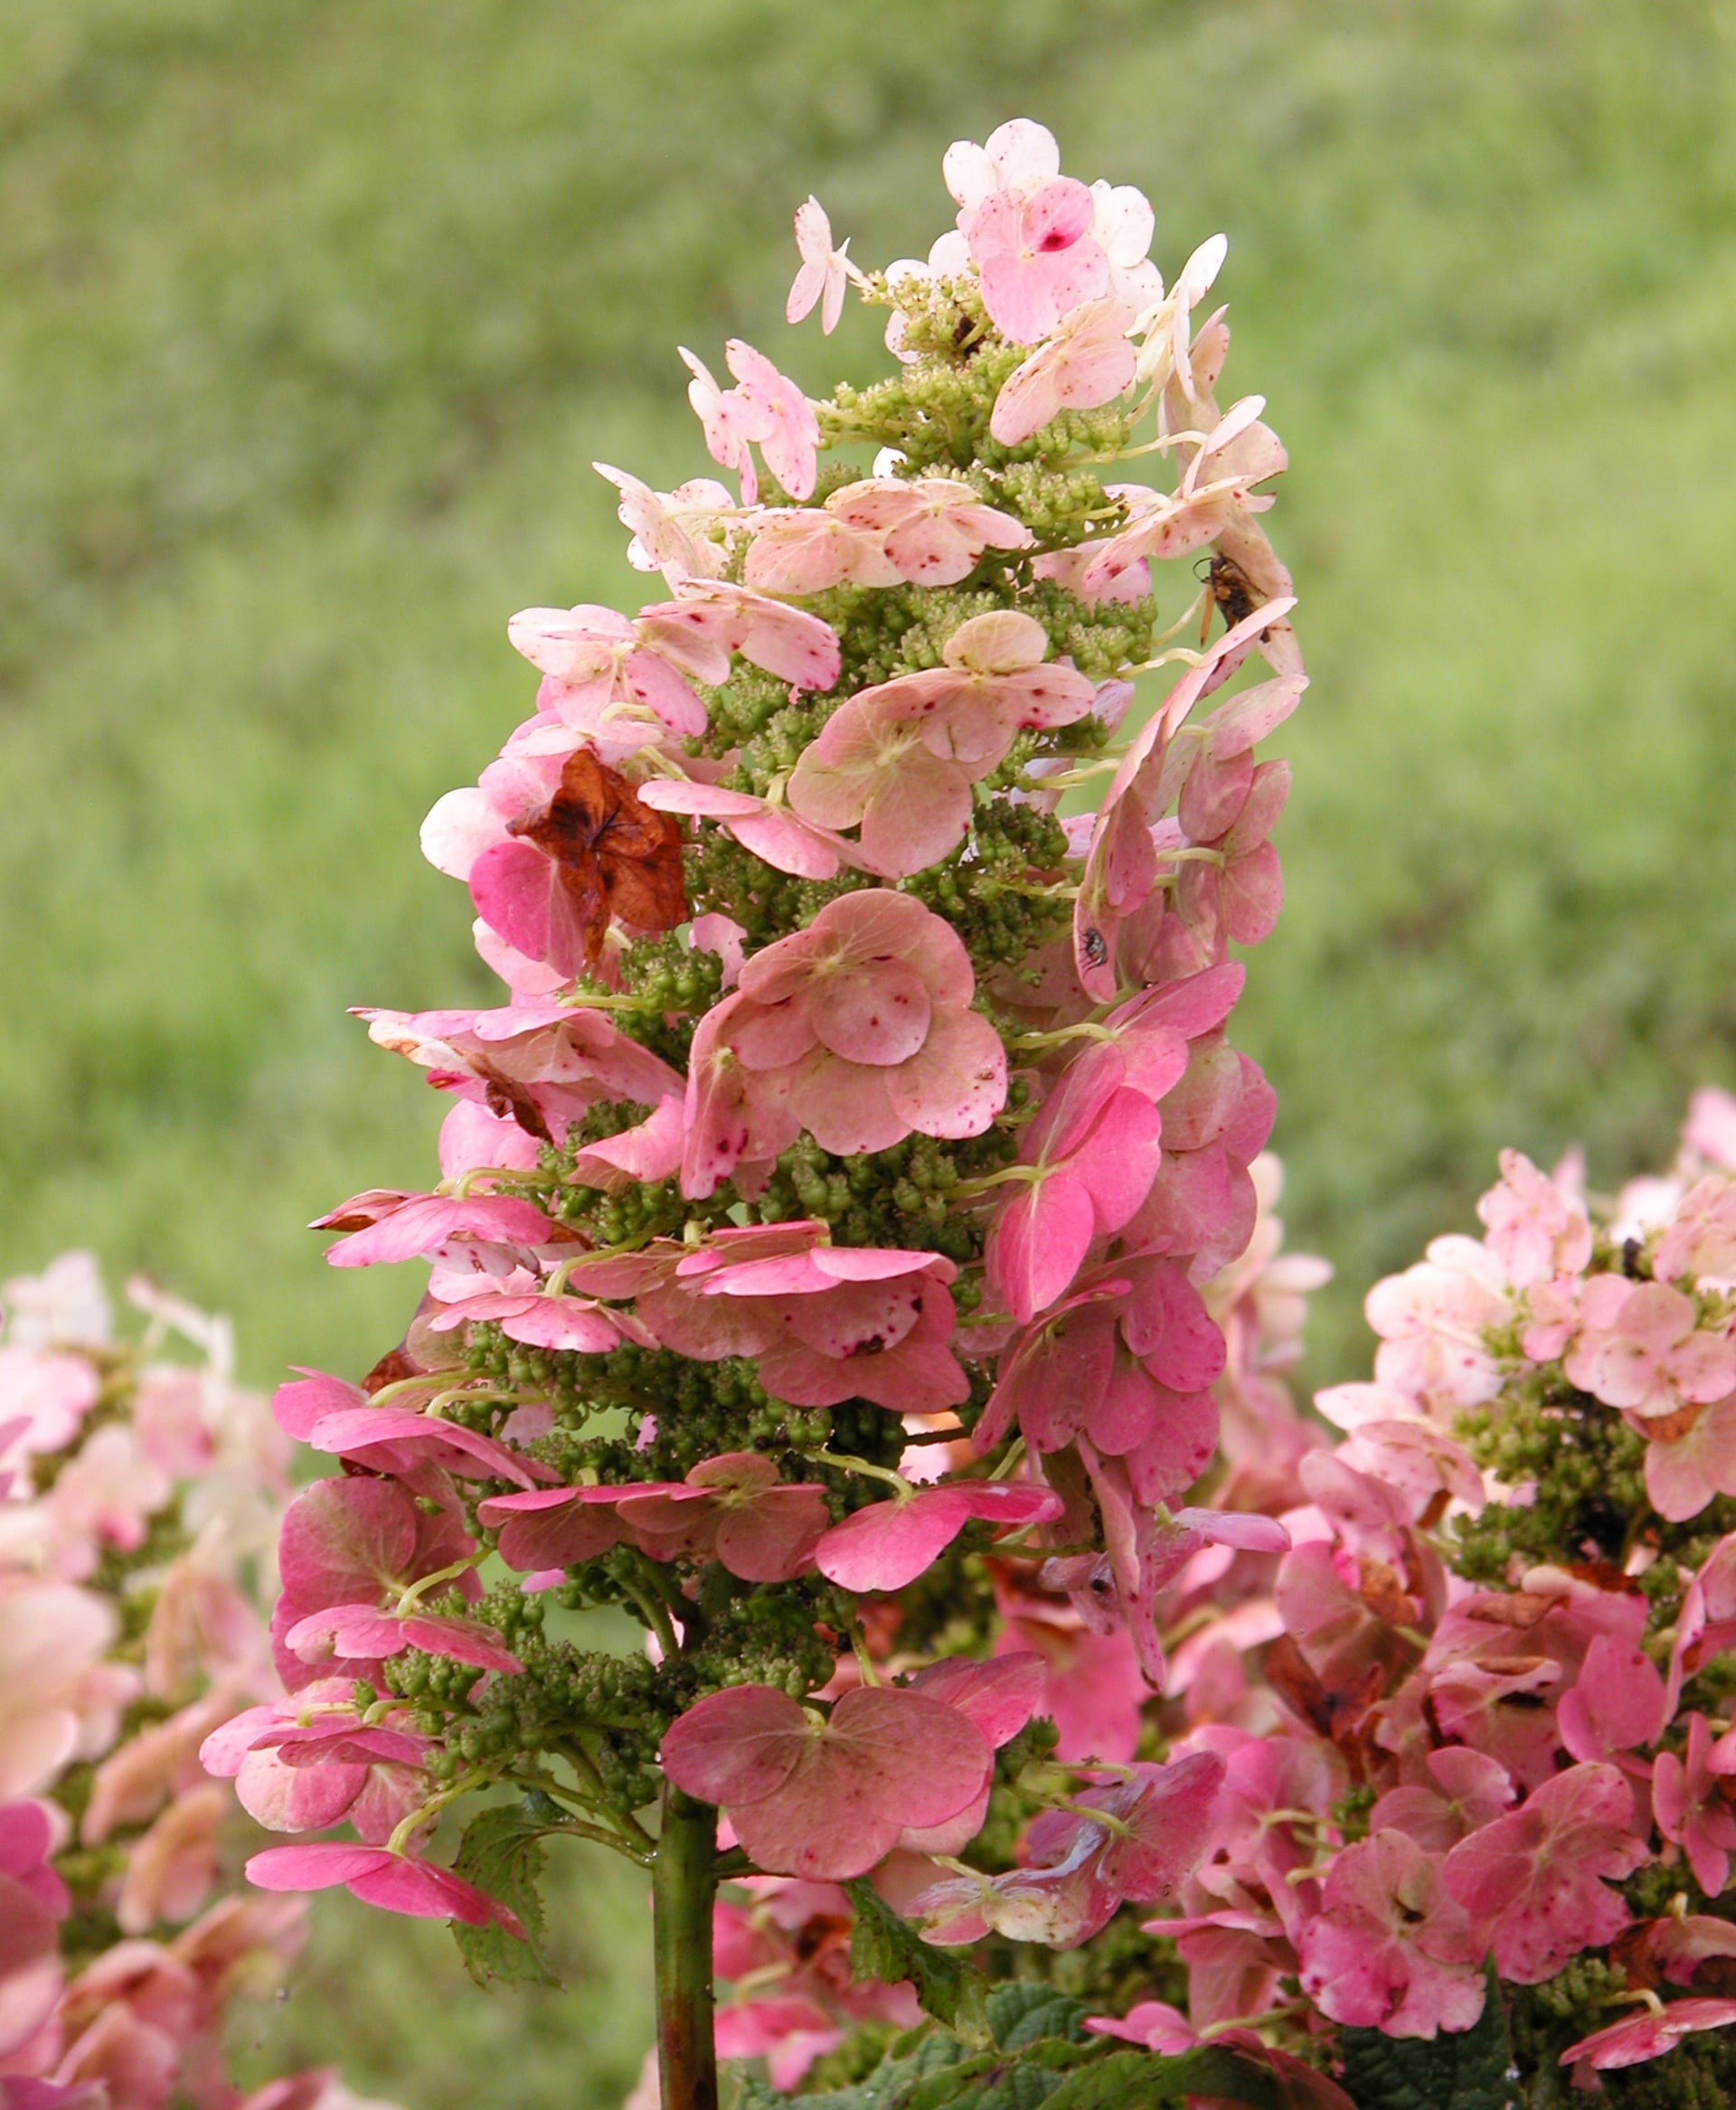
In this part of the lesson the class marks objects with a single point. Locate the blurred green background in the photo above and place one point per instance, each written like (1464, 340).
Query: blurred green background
(313, 314)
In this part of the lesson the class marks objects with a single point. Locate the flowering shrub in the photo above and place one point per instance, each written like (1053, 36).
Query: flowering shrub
(139, 1499)
(828, 1266)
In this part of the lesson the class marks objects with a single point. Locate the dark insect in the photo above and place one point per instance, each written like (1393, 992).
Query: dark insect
(1094, 948)
(1631, 1250)
(1603, 1524)
(617, 858)
(1228, 590)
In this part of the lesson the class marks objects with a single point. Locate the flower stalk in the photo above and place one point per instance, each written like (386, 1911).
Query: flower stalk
(683, 1885)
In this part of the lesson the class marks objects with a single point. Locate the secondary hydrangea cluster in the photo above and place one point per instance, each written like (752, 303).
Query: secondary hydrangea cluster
(139, 1499)
(1474, 1724)
(844, 1185)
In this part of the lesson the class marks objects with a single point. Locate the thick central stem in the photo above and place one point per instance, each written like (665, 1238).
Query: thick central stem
(682, 1887)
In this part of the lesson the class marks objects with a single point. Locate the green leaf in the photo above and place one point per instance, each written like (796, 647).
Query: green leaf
(883, 1945)
(1125, 2080)
(1142, 2081)
(914, 2059)
(1021, 2011)
(502, 1853)
(1472, 2070)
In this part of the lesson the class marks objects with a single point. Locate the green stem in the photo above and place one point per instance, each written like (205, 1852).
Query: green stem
(683, 1882)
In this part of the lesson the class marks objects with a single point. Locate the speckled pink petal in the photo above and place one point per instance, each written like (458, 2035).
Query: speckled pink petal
(846, 1107)
(550, 1529)
(1620, 1701)
(853, 1318)
(879, 1016)
(917, 812)
(362, 1432)
(423, 1223)
(460, 1641)
(956, 1084)
(1179, 1448)
(665, 693)
(772, 1036)
(1537, 1875)
(1120, 1158)
(1168, 1326)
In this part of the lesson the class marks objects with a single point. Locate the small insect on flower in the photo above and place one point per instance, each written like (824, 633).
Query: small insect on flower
(1227, 589)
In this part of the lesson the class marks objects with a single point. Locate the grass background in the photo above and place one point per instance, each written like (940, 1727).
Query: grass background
(313, 314)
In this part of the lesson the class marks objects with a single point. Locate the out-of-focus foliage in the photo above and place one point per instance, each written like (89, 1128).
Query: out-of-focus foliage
(313, 314)
(392, 2001)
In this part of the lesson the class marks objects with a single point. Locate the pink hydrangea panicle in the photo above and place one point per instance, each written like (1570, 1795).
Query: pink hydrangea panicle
(1700, 1242)
(900, 758)
(857, 1029)
(1649, 2034)
(1391, 1948)
(1641, 1349)
(1537, 1878)
(65, 1306)
(1030, 230)
(1093, 1151)
(673, 531)
(1691, 1458)
(1155, 1830)
(764, 409)
(824, 272)
(34, 1902)
(63, 1701)
(44, 1397)
(1694, 1805)
(1434, 1321)
(1709, 1132)
(1087, 362)
(1536, 1229)
(826, 1795)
